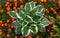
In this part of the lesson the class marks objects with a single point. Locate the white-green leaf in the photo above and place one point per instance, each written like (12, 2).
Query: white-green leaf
(20, 21)
(34, 10)
(33, 28)
(41, 29)
(36, 18)
(13, 14)
(29, 6)
(25, 23)
(32, 5)
(40, 10)
(16, 23)
(17, 29)
(29, 18)
(22, 13)
(44, 21)
(25, 31)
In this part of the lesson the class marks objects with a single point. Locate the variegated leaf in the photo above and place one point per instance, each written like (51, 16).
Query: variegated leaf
(16, 23)
(17, 26)
(25, 30)
(44, 21)
(33, 28)
(38, 10)
(41, 29)
(29, 6)
(17, 29)
(13, 14)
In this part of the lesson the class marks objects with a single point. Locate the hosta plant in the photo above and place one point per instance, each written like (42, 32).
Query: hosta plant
(29, 19)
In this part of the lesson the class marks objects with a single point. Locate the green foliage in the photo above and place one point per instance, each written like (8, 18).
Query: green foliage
(0, 1)
(49, 3)
(30, 19)
(57, 29)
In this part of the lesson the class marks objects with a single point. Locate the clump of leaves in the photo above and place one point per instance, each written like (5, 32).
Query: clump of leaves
(30, 19)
